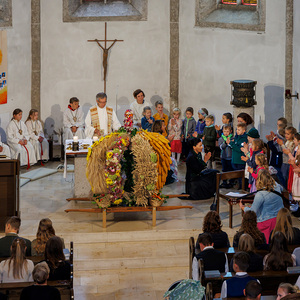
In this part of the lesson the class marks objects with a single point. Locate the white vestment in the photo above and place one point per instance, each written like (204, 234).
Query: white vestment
(103, 121)
(137, 110)
(73, 118)
(6, 150)
(35, 130)
(13, 138)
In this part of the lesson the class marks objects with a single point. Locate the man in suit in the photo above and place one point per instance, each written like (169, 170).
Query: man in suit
(213, 259)
(12, 228)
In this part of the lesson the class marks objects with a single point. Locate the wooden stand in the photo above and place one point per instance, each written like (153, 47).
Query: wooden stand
(104, 211)
(9, 189)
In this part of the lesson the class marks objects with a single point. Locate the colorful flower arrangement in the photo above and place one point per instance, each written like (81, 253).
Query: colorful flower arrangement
(113, 176)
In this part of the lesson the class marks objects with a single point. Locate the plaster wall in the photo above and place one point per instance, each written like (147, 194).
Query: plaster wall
(19, 64)
(211, 58)
(296, 64)
(72, 67)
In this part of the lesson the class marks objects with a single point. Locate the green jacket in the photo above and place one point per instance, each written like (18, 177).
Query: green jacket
(236, 145)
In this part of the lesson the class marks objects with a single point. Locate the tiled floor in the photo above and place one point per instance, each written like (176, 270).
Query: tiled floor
(129, 259)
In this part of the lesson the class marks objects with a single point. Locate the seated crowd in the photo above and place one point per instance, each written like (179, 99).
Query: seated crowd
(16, 267)
(212, 245)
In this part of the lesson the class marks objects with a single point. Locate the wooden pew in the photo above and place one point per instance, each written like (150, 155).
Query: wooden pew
(65, 287)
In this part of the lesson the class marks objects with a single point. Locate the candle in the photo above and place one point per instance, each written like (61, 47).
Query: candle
(75, 139)
(95, 138)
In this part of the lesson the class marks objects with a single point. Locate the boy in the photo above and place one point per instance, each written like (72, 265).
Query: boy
(73, 120)
(226, 153)
(160, 114)
(212, 259)
(147, 120)
(209, 139)
(138, 106)
(202, 114)
(236, 144)
(188, 128)
(253, 290)
(234, 287)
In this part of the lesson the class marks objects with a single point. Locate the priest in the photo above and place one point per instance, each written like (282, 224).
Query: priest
(101, 119)
(73, 120)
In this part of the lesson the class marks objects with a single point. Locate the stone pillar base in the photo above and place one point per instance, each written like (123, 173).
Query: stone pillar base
(238, 110)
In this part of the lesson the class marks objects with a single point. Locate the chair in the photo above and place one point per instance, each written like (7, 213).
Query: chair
(226, 176)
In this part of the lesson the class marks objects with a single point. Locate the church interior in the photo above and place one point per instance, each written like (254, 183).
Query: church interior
(183, 53)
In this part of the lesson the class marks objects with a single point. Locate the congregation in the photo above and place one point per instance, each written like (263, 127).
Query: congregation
(16, 267)
(266, 224)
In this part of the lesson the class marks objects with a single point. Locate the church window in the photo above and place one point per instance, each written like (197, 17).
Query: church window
(104, 10)
(247, 15)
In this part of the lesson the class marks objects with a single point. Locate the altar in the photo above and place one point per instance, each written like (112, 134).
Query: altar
(82, 187)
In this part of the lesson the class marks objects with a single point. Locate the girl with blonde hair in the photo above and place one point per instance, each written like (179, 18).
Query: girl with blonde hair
(17, 268)
(267, 202)
(37, 138)
(44, 233)
(246, 244)
(285, 289)
(284, 224)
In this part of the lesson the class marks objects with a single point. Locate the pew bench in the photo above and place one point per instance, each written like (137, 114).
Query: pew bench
(65, 287)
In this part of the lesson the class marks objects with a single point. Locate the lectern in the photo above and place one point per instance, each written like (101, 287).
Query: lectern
(9, 189)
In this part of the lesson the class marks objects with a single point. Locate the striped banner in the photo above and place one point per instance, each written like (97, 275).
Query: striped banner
(3, 67)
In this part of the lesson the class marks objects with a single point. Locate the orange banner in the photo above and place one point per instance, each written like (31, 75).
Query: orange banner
(3, 67)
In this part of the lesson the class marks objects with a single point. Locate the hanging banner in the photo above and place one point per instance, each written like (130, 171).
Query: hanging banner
(3, 67)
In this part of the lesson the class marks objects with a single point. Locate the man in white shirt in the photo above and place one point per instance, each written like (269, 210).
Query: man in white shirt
(73, 120)
(101, 119)
(137, 107)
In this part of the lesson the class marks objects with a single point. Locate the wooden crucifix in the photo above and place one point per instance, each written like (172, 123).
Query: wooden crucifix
(105, 52)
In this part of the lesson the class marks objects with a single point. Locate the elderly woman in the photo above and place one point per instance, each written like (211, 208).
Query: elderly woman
(266, 202)
(199, 185)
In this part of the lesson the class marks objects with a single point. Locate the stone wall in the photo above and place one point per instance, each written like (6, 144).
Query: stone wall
(19, 63)
(210, 58)
(296, 64)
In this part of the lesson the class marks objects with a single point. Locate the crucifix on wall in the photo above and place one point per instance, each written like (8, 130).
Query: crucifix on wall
(105, 51)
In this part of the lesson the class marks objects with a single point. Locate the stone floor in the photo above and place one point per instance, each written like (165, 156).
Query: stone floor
(129, 259)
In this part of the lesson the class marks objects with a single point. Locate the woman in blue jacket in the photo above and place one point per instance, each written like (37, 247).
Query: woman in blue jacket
(266, 203)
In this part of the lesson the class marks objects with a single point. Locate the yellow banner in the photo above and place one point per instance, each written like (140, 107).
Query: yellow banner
(3, 67)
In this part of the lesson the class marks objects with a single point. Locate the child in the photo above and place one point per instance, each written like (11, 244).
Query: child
(226, 120)
(37, 138)
(251, 135)
(236, 144)
(257, 147)
(160, 115)
(209, 139)
(137, 107)
(226, 153)
(276, 152)
(4, 150)
(281, 123)
(147, 121)
(174, 127)
(289, 144)
(202, 114)
(234, 287)
(261, 163)
(73, 120)
(18, 140)
(188, 128)
(293, 181)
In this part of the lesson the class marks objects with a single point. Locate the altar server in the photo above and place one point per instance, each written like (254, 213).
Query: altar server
(37, 138)
(18, 140)
(101, 119)
(4, 149)
(73, 120)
